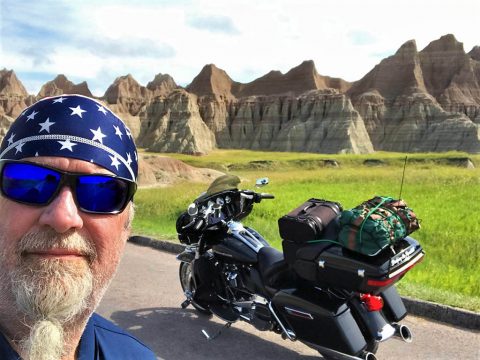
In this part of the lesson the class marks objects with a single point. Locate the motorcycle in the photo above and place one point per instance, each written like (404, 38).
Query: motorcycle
(341, 303)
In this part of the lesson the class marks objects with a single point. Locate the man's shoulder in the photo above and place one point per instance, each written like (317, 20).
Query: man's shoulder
(116, 341)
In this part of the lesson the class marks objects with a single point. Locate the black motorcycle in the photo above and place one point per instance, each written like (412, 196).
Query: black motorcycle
(339, 302)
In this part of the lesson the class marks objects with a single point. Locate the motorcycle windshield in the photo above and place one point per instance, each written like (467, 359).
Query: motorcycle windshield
(222, 183)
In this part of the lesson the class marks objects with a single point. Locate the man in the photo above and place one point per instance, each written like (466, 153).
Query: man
(68, 169)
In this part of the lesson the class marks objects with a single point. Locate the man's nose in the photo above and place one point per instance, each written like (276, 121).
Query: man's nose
(62, 213)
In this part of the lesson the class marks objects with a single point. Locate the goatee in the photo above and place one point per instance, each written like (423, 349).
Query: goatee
(50, 291)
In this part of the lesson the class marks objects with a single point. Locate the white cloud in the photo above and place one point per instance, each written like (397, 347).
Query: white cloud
(97, 41)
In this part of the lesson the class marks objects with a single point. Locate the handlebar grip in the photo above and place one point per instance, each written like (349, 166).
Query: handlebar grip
(260, 196)
(267, 196)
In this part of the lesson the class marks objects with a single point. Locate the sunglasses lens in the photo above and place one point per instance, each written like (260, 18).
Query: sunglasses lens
(102, 194)
(29, 183)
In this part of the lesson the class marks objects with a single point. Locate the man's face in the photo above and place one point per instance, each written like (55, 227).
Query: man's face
(58, 243)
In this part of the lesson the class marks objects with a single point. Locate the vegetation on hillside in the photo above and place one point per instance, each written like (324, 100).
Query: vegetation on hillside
(446, 198)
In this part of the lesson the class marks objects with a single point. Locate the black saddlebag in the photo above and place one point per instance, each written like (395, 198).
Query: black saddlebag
(314, 219)
(319, 319)
(329, 265)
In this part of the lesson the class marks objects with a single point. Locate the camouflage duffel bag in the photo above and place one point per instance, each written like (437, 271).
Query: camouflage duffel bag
(376, 224)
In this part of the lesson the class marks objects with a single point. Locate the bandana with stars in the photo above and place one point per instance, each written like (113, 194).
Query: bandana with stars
(73, 126)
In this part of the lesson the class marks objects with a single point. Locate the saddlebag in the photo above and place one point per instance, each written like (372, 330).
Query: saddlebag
(318, 318)
(331, 265)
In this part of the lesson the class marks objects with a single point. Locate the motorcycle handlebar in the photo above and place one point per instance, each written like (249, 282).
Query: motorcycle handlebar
(196, 224)
(260, 196)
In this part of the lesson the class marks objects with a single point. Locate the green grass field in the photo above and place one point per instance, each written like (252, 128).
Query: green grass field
(445, 198)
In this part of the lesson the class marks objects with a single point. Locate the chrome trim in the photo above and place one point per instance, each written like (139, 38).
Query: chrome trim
(289, 333)
(293, 312)
(361, 273)
(386, 333)
(321, 263)
(240, 233)
(407, 265)
(335, 354)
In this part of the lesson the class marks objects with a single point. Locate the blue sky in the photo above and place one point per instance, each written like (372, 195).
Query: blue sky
(96, 41)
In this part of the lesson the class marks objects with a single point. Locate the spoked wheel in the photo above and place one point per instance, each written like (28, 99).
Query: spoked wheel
(186, 280)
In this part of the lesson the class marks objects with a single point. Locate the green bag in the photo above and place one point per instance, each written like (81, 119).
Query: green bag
(376, 224)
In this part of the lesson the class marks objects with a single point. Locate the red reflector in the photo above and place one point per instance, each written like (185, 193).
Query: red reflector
(380, 283)
(372, 302)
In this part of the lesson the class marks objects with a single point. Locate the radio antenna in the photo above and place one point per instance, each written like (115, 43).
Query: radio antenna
(403, 177)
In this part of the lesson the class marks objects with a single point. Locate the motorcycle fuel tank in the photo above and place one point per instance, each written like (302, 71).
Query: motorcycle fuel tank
(239, 245)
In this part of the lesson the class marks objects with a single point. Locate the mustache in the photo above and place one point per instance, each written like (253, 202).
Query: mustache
(49, 239)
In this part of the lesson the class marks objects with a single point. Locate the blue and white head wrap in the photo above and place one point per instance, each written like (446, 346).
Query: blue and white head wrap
(73, 126)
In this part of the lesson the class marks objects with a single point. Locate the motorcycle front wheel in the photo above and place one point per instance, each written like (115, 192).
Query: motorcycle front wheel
(187, 282)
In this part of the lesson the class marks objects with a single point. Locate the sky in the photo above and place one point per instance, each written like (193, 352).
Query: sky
(97, 41)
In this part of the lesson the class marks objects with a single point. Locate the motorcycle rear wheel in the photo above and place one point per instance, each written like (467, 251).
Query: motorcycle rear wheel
(186, 280)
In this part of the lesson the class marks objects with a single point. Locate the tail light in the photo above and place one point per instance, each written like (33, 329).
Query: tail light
(395, 275)
(372, 302)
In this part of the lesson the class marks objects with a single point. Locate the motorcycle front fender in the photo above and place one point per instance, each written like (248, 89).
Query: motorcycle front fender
(186, 256)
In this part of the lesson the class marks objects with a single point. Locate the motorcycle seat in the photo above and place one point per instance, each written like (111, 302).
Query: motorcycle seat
(272, 266)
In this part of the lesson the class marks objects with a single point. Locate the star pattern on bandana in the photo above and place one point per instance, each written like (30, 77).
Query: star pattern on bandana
(10, 139)
(102, 109)
(77, 111)
(32, 115)
(115, 161)
(51, 127)
(46, 125)
(19, 147)
(67, 144)
(118, 132)
(59, 100)
(98, 135)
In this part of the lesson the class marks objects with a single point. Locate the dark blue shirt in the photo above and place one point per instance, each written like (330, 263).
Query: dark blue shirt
(101, 340)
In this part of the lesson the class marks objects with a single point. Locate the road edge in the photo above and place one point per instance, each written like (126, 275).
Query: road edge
(437, 312)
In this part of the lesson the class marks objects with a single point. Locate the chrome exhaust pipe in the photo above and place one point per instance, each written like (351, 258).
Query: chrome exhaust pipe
(403, 332)
(369, 356)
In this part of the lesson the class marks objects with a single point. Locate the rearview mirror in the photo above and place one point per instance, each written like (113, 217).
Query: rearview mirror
(262, 182)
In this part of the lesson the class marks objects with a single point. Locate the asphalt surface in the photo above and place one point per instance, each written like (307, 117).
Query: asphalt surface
(145, 298)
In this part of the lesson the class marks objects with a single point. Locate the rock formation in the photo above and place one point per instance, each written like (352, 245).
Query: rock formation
(13, 96)
(174, 124)
(422, 101)
(13, 99)
(297, 81)
(127, 98)
(317, 121)
(61, 85)
(426, 100)
(161, 85)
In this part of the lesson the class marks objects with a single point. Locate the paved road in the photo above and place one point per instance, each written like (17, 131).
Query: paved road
(145, 298)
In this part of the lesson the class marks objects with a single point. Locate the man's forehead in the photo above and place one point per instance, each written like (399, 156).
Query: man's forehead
(69, 164)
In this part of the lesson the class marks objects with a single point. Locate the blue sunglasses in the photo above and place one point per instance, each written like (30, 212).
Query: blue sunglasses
(33, 184)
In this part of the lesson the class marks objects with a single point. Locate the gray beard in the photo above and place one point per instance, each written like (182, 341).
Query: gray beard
(51, 293)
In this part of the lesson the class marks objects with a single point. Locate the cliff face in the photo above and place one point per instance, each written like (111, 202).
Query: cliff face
(317, 121)
(173, 124)
(61, 85)
(422, 101)
(13, 96)
(426, 100)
